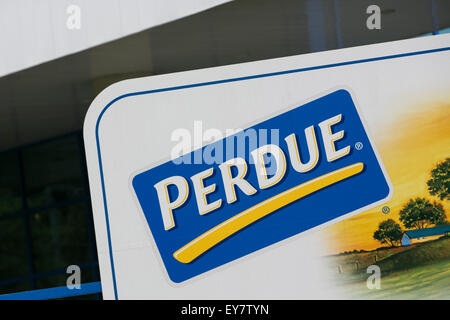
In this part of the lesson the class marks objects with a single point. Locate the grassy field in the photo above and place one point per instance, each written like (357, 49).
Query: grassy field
(419, 272)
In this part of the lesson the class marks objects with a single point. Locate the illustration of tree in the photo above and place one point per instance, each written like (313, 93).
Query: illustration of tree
(389, 232)
(420, 213)
(439, 184)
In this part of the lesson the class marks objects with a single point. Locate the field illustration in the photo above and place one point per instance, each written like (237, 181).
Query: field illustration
(416, 272)
(408, 238)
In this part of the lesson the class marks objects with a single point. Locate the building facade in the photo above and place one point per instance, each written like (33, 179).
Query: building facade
(45, 211)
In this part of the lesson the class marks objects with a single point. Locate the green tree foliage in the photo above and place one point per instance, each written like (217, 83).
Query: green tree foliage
(439, 184)
(420, 213)
(389, 232)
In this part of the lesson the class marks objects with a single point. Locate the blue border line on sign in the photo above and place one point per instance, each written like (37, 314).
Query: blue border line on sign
(202, 84)
(53, 293)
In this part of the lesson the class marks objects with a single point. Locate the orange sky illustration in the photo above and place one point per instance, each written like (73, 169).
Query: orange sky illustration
(410, 146)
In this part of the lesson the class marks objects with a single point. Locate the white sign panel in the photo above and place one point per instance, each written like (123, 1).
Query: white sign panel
(211, 184)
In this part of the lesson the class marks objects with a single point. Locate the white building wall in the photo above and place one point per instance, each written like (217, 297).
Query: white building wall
(33, 32)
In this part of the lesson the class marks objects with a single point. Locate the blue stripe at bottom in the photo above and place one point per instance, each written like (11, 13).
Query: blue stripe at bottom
(53, 293)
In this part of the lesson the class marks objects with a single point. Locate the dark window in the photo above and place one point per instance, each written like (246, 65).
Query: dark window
(10, 200)
(52, 172)
(13, 249)
(60, 237)
(45, 216)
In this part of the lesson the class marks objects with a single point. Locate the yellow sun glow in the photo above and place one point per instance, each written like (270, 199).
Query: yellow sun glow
(410, 148)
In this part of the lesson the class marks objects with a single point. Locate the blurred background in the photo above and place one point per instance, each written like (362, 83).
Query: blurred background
(51, 69)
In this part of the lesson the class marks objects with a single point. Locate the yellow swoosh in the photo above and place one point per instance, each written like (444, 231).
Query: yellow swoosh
(209, 239)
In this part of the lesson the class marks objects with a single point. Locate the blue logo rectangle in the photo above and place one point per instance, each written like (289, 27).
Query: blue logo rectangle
(312, 164)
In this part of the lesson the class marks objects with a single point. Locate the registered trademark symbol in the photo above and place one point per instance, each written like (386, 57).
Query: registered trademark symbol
(359, 145)
(386, 209)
